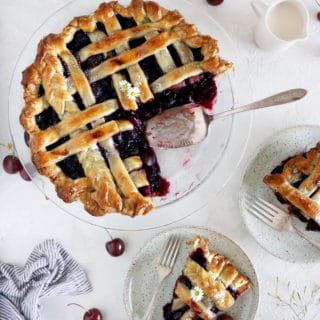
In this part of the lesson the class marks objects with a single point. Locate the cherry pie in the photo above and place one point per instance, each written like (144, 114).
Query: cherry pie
(91, 90)
(296, 183)
(208, 285)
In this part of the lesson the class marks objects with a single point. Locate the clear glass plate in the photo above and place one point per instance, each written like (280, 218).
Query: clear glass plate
(185, 168)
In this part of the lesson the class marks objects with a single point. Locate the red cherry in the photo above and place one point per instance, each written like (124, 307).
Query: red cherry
(115, 247)
(93, 314)
(214, 2)
(318, 16)
(24, 175)
(11, 164)
(224, 317)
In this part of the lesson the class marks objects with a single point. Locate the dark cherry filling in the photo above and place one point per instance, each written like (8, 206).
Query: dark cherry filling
(66, 72)
(215, 310)
(72, 167)
(198, 257)
(41, 91)
(103, 90)
(151, 68)
(136, 42)
(92, 62)
(101, 27)
(198, 56)
(126, 23)
(78, 100)
(185, 280)
(233, 293)
(47, 118)
(201, 89)
(175, 56)
(79, 41)
(311, 225)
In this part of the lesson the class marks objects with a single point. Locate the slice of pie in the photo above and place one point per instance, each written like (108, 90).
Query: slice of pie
(91, 90)
(296, 183)
(209, 284)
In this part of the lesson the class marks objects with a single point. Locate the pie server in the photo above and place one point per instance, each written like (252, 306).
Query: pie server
(188, 124)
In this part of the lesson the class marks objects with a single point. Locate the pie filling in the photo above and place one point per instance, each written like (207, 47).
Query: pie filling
(311, 225)
(209, 284)
(200, 89)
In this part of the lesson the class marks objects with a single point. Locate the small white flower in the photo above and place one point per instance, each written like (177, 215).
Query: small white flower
(133, 93)
(125, 85)
(196, 294)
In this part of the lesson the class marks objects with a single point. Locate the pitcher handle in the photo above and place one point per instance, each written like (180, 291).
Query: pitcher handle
(259, 7)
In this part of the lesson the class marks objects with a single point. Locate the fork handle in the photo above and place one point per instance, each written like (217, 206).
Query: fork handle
(148, 314)
(301, 234)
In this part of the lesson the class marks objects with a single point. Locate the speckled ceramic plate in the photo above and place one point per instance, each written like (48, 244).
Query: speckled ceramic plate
(142, 277)
(282, 145)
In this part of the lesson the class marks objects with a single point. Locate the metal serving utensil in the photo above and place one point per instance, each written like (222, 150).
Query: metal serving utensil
(274, 217)
(188, 125)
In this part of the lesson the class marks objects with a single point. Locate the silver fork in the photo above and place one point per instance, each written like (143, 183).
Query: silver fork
(273, 217)
(164, 268)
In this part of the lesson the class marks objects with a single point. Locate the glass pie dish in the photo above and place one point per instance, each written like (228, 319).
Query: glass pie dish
(185, 168)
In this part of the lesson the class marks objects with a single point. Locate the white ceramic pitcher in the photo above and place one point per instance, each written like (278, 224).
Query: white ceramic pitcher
(281, 24)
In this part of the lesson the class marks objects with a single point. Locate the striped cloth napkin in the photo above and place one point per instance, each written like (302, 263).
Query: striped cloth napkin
(49, 271)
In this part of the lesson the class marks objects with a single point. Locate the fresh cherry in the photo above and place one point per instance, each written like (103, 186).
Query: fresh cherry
(11, 164)
(214, 2)
(115, 247)
(224, 317)
(93, 314)
(318, 16)
(24, 175)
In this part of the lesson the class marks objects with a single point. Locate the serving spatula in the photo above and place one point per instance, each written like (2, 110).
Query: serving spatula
(188, 124)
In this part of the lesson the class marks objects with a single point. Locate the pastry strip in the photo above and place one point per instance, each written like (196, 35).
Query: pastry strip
(192, 69)
(79, 79)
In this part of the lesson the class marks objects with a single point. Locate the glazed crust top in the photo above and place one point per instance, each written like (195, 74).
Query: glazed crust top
(304, 169)
(115, 188)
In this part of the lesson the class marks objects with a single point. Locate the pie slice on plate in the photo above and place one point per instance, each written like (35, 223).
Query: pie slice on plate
(296, 183)
(209, 284)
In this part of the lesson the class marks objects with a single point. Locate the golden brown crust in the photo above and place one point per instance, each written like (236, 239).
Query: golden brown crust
(305, 196)
(102, 191)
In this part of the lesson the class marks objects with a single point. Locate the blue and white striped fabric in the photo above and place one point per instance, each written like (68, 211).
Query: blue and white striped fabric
(49, 271)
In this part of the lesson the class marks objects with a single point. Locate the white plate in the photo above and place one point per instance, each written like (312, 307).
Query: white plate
(142, 276)
(282, 145)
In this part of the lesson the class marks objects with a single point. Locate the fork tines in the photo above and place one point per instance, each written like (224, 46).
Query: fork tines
(261, 209)
(170, 252)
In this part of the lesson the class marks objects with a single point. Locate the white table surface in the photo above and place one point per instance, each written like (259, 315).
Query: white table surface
(27, 218)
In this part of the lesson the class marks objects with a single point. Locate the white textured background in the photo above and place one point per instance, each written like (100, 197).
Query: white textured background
(26, 217)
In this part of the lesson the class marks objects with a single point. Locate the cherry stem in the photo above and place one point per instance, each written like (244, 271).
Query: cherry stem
(108, 233)
(78, 305)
